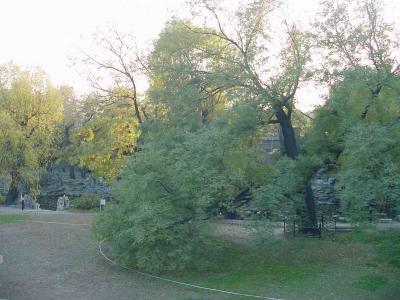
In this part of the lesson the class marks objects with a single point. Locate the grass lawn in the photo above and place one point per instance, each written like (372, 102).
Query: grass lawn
(5, 218)
(358, 265)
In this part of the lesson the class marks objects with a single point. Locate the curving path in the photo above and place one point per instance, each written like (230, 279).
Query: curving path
(59, 261)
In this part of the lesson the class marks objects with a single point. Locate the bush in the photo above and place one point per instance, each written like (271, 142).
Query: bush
(2, 199)
(87, 201)
(47, 202)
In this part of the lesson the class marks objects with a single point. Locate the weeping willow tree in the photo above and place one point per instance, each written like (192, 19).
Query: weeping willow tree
(196, 154)
(30, 109)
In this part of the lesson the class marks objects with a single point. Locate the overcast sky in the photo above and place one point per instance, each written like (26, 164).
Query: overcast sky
(46, 33)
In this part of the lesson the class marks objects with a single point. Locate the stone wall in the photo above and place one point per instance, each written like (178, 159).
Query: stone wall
(323, 186)
(59, 181)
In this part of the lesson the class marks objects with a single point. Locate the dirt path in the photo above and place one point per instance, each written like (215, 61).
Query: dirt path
(52, 261)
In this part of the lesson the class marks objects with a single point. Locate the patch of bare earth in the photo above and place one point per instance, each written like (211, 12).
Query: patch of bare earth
(58, 261)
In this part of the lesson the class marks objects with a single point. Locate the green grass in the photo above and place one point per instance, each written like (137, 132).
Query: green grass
(359, 265)
(4, 219)
(370, 282)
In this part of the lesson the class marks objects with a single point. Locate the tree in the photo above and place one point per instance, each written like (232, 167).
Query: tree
(246, 68)
(213, 90)
(72, 119)
(371, 156)
(104, 138)
(178, 180)
(30, 108)
(359, 147)
(195, 157)
(178, 89)
(363, 74)
(121, 64)
(356, 38)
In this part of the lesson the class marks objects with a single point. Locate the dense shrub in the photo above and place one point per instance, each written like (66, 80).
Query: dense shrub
(47, 202)
(369, 174)
(2, 199)
(86, 201)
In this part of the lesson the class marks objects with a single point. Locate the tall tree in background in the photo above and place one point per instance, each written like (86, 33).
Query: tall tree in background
(361, 65)
(72, 119)
(104, 137)
(354, 37)
(178, 90)
(118, 69)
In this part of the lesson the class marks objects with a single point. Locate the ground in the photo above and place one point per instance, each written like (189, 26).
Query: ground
(59, 261)
(50, 261)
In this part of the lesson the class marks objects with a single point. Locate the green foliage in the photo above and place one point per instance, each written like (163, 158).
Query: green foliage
(344, 110)
(196, 156)
(86, 201)
(284, 190)
(30, 109)
(176, 180)
(103, 143)
(213, 93)
(357, 130)
(47, 202)
(371, 157)
(2, 199)
(179, 88)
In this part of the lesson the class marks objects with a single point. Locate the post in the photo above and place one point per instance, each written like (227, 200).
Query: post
(102, 204)
(322, 221)
(320, 230)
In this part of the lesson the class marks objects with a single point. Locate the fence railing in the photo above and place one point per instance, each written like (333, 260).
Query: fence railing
(292, 226)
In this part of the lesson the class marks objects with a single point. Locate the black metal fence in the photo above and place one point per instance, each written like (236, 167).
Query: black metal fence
(293, 227)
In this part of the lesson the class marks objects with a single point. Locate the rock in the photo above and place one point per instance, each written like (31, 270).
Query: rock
(57, 183)
(323, 186)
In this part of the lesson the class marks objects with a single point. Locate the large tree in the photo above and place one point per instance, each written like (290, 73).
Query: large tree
(249, 70)
(356, 127)
(196, 157)
(30, 108)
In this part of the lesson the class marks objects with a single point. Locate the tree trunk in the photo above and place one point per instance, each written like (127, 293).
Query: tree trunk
(12, 194)
(292, 151)
(289, 135)
(310, 203)
(137, 112)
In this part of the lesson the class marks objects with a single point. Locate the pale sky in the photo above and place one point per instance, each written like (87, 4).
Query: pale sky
(47, 33)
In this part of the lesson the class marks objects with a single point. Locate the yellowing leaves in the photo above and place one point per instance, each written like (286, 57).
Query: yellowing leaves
(30, 111)
(103, 144)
